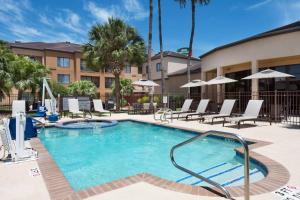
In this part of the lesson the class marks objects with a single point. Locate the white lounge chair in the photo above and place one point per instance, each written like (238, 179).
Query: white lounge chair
(184, 109)
(18, 106)
(74, 107)
(98, 106)
(225, 111)
(202, 106)
(251, 113)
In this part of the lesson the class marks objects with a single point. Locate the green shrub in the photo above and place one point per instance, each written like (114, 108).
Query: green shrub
(156, 99)
(123, 102)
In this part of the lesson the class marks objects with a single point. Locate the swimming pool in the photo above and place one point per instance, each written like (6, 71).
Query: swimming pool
(89, 157)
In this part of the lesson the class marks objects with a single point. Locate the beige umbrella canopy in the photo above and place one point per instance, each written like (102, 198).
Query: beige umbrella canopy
(268, 73)
(194, 83)
(220, 80)
(147, 83)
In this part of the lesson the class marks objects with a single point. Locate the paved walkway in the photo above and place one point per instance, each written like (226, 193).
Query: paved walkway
(16, 183)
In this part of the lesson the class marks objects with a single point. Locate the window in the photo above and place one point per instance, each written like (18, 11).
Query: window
(93, 79)
(127, 69)
(84, 67)
(140, 70)
(158, 67)
(109, 82)
(63, 62)
(63, 78)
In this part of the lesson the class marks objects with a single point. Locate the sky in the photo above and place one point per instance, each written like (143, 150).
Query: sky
(219, 23)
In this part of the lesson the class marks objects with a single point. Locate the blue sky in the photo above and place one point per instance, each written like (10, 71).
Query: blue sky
(221, 22)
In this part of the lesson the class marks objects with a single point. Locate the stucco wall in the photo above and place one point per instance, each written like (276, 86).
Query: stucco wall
(266, 48)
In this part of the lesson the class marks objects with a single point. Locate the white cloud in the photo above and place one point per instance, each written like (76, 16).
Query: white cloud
(129, 9)
(70, 20)
(287, 11)
(258, 5)
(45, 20)
(135, 9)
(14, 10)
(24, 32)
(102, 14)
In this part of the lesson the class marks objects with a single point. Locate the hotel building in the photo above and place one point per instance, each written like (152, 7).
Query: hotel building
(64, 59)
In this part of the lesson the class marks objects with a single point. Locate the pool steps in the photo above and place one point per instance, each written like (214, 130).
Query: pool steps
(225, 173)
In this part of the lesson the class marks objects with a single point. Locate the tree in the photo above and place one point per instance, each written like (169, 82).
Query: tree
(162, 68)
(126, 88)
(57, 88)
(113, 44)
(150, 38)
(6, 57)
(193, 5)
(27, 74)
(82, 88)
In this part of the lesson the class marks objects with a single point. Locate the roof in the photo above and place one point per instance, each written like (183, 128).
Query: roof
(293, 27)
(58, 46)
(194, 69)
(172, 54)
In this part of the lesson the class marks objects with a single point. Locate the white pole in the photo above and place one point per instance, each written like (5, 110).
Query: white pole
(20, 129)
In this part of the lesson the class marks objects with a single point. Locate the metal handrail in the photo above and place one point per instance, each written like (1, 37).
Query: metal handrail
(223, 189)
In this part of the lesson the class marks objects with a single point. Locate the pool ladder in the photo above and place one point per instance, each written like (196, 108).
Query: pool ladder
(217, 185)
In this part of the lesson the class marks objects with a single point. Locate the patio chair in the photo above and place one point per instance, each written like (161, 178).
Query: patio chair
(17, 107)
(148, 108)
(136, 108)
(98, 107)
(184, 109)
(251, 113)
(225, 111)
(74, 107)
(202, 106)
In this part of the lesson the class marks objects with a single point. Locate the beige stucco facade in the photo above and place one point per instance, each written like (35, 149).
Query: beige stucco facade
(276, 50)
(174, 78)
(171, 64)
(49, 59)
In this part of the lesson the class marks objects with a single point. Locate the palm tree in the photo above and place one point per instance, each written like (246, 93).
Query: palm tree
(162, 68)
(6, 57)
(113, 44)
(193, 4)
(150, 37)
(27, 74)
(82, 88)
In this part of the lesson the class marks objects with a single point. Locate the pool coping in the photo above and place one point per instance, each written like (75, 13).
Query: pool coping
(59, 187)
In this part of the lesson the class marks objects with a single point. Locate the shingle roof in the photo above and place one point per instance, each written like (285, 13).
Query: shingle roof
(281, 30)
(194, 69)
(58, 46)
(171, 54)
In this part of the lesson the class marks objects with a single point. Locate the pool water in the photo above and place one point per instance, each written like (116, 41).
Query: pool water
(89, 157)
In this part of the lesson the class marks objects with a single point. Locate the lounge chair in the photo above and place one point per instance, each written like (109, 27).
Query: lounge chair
(98, 106)
(202, 106)
(74, 107)
(225, 111)
(17, 107)
(184, 109)
(251, 113)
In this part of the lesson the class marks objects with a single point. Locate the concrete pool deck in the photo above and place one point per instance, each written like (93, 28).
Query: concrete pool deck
(16, 183)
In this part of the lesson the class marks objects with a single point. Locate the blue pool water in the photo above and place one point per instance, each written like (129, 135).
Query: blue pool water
(89, 157)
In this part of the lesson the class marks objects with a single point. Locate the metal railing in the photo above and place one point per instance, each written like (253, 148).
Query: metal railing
(217, 185)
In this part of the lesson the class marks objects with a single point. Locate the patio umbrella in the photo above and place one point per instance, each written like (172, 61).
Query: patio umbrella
(147, 83)
(220, 80)
(143, 82)
(194, 83)
(268, 73)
